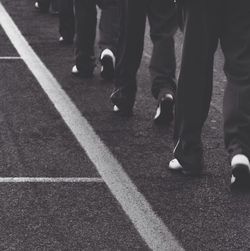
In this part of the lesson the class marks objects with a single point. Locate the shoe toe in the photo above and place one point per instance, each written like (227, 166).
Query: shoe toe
(74, 70)
(122, 103)
(64, 41)
(174, 164)
(81, 74)
(116, 109)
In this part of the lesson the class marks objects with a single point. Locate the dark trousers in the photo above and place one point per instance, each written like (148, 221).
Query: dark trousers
(66, 20)
(86, 19)
(163, 25)
(109, 27)
(206, 22)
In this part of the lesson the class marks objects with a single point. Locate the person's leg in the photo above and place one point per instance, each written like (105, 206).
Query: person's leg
(130, 48)
(54, 7)
(109, 28)
(66, 21)
(85, 18)
(235, 43)
(195, 81)
(163, 25)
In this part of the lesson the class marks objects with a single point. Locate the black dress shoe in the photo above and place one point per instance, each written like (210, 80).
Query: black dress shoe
(42, 7)
(164, 112)
(240, 178)
(82, 74)
(36, 5)
(123, 103)
(107, 60)
(174, 165)
(64, 41)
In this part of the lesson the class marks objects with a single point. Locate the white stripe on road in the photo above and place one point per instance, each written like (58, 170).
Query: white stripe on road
(216, 107)
(49, 180)
(148, 224)
(9, 58)
(147, 55)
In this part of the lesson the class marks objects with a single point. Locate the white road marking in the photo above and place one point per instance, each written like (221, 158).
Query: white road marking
(151, 228)
(10, 58)
(146, 55)
(216, 107)
(49, 180)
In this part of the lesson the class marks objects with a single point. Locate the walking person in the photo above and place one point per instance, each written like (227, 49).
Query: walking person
(163, 25)
(207, 22)
(86, 20)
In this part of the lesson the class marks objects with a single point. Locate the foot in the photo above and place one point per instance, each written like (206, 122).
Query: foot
(82, 74)
(123, 104)
(107, 60)
(41, 7)
(174, 165)
(64, 41)
(164, 112)
(240, 167)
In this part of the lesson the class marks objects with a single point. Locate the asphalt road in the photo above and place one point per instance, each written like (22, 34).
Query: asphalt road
(201, 213)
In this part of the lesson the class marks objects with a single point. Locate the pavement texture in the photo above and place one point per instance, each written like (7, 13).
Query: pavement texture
(202, 213)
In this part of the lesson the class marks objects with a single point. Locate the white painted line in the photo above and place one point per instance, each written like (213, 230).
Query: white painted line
(10, 58)
(217, 107)
(148, 224)
(49, 180)
(147, 55)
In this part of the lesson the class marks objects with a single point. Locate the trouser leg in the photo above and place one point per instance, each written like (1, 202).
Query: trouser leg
(163, 25)
(130, 45)
(85, 18)
(54, 6)
(195, 80)
(235, 42)
(66, 20)
(109, 27)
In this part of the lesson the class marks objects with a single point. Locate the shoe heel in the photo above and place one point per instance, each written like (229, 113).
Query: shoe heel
(241, 174)
(107, 71)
